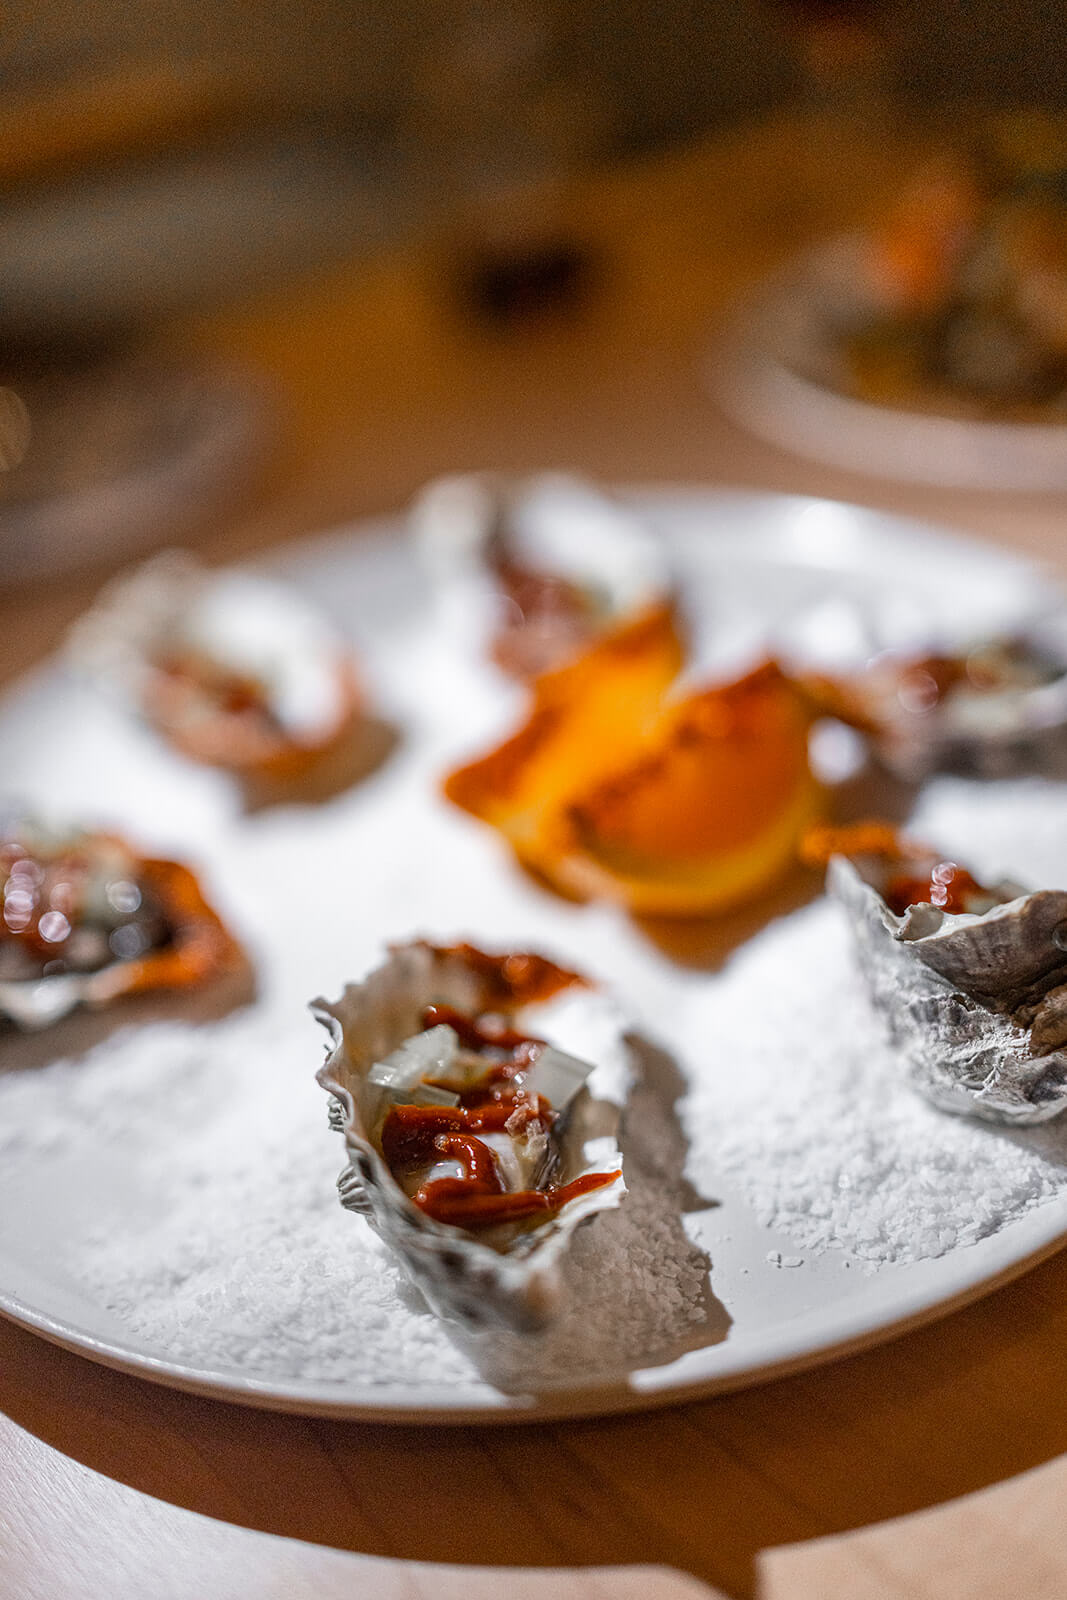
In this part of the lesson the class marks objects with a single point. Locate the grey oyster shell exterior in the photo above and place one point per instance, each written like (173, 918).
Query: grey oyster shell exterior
(976, 1003)
(518, 1285)
(1006, 733)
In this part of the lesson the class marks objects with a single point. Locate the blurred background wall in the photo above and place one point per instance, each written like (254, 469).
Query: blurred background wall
(160, 160)
(154, 153)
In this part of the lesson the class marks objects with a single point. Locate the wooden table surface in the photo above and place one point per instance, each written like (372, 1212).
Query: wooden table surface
(107, 1482)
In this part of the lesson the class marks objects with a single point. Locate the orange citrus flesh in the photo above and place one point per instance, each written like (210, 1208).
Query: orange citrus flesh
(587, 716)
(672, 807)
(709, 813)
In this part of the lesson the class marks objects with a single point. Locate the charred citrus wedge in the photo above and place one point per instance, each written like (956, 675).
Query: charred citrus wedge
(673, 807)
(587, 718)
(707, 814)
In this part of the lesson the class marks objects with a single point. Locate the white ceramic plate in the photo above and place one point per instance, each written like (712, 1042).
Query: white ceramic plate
(773, 372)
(743, 556)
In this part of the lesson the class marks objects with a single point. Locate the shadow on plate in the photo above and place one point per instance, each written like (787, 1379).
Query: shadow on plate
(638, 1291)
(350, 761)
(872, 792)
(706, 943)
(81, 1031)
(1045, 1139)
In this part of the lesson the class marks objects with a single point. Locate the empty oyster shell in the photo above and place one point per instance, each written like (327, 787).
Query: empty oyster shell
(385, 1057)
(233, 669)
(87, 920)
(997, 708)
(976, 999)
(565, 563)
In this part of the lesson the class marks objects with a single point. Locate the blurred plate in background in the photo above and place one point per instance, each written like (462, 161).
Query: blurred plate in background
(778, 372)
(124, 454)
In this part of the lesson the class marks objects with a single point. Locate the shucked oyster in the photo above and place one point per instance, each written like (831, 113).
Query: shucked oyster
(972, 980)
(86, 920)
(566, 562)
(475, 1147)
(232, 669)
(997, 708)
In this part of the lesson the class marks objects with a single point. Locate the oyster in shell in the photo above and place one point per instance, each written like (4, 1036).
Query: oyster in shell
(972, 980)
(563, 562)
(231, 668)
(475, 1148)
(991, 710)
(87, 920)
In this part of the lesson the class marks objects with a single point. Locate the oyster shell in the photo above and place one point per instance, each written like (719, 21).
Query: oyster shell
(992, 710)
(563, 562)
(87, 920)
(234, 670)
(506, 1273)
(976, 1000)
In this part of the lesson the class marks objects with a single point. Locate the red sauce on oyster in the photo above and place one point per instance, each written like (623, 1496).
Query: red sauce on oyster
(512, 980)
(545, 619)
(946, 885)
(415, 1137)
(910, 874)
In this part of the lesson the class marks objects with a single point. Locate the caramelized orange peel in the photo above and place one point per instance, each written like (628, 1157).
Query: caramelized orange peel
(586, 719)
(870, 838)
(673, 805)
(708, 813)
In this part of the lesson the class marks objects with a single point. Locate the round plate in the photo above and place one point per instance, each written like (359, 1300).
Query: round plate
(405, 862)
(772, 372)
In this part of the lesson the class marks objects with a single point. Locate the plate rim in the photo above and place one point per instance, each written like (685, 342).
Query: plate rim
(498, 1408)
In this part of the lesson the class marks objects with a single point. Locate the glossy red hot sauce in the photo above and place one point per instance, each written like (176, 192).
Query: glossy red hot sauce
(417, 1136)
(947, 885)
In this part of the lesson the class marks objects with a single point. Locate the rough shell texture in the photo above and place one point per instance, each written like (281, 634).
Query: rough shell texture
(516, 1284)
(977, 1004)
(989, 736)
